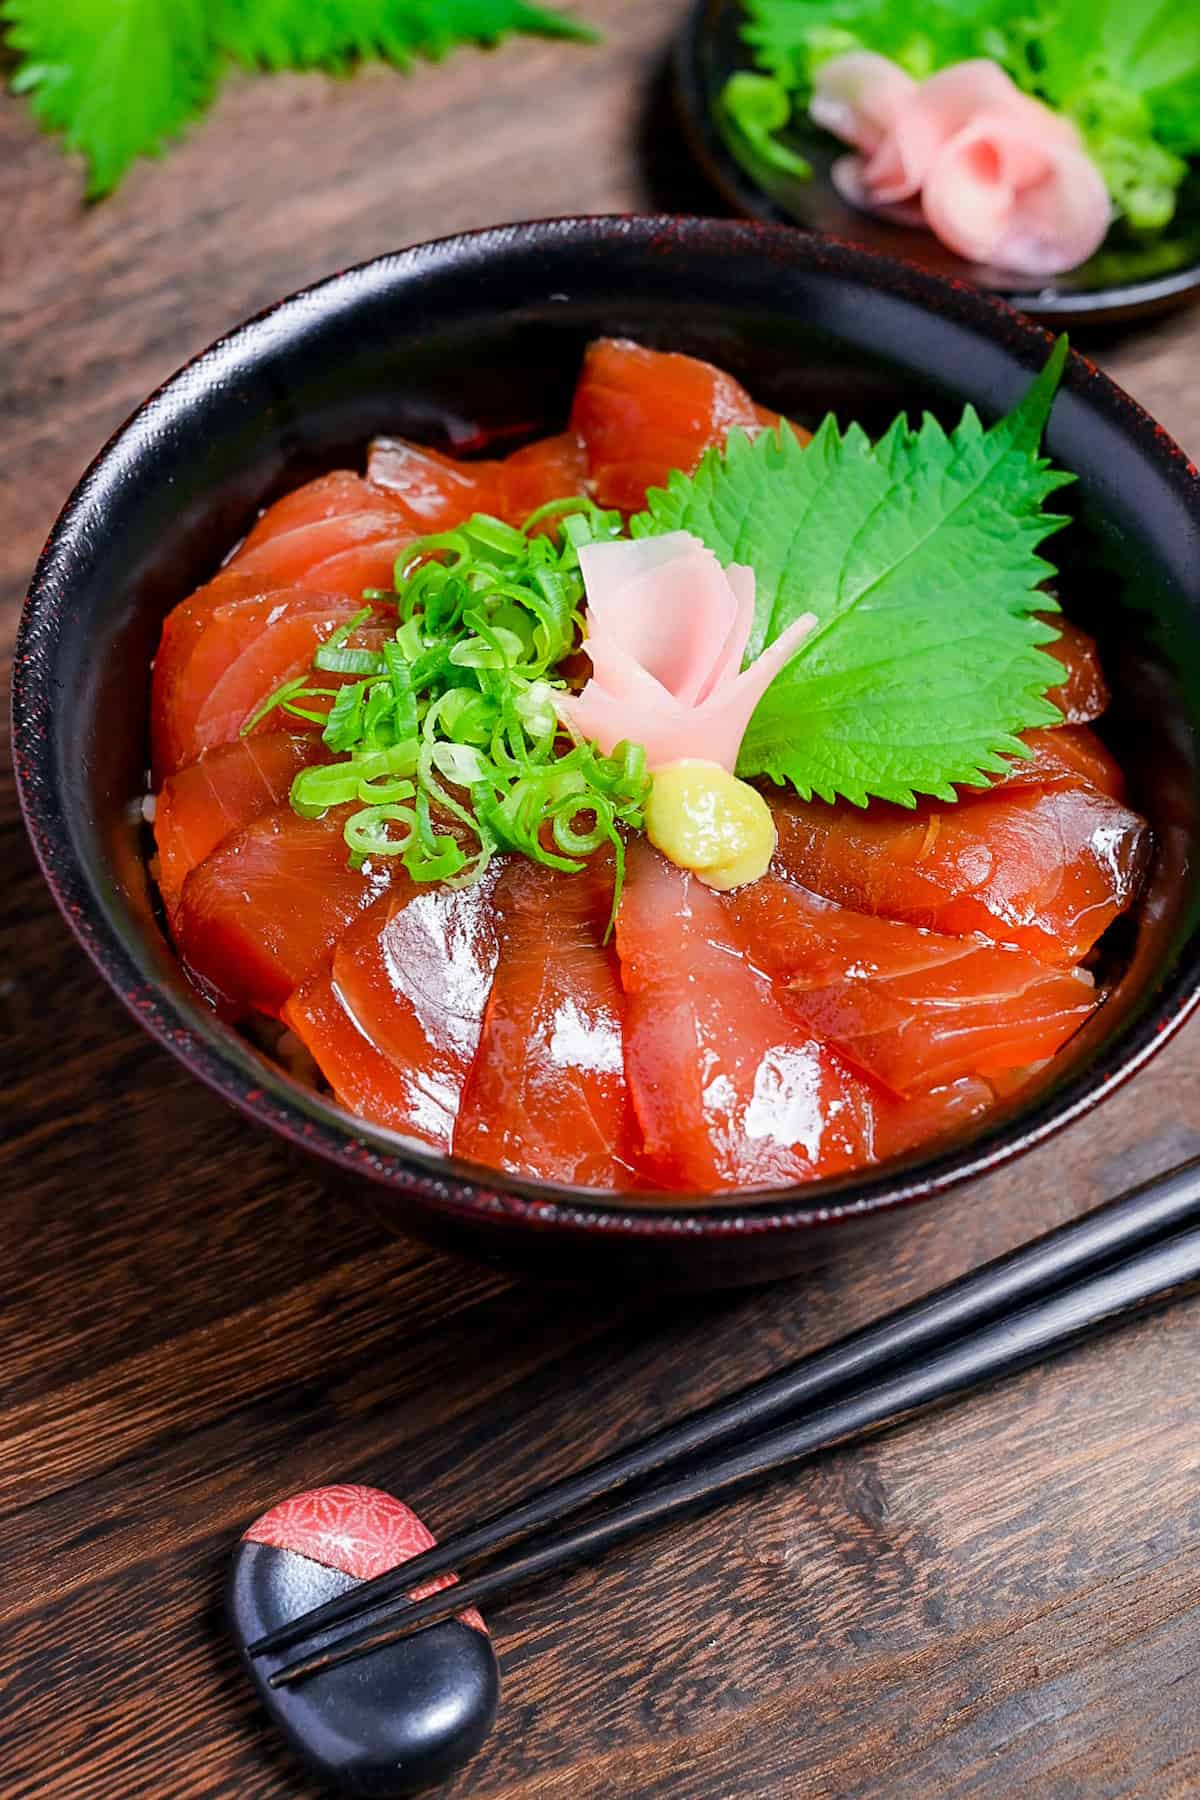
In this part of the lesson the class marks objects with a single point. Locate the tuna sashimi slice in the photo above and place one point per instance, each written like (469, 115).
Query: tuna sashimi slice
(546, 1095)
(914, 1008)
(333, 496)
(437, 492)
(552, 468)
(199, 806)
(641, 413)
(246, 650)
(258, 915)
(915, 1122)
(1064, 756)
(432, 491)
(290, 558)
(369, 564)
(282, 647)
(340, 575)
(365, 1081)
(729, 1090)
(1084, 694)
(182, 630)
(1047, 869)
(338, 534)
(395, 1021)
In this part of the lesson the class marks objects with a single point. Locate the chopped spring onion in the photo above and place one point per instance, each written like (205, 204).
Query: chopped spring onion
(445, 739)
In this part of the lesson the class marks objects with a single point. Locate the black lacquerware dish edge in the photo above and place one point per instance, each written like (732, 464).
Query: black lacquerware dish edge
(475, 340)
(1129, 276)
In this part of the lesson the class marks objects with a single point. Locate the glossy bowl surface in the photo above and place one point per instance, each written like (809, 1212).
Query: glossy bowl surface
(1130, 276)
(473, 342)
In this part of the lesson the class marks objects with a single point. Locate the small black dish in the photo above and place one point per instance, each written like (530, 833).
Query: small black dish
(477, 340)
(1128, 277)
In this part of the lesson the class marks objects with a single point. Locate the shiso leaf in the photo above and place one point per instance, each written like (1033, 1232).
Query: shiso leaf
(919, 556)
(120, 78)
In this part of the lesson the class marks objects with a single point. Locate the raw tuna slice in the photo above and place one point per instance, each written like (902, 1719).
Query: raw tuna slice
(258, 915)
(1048, 869)
(359, 567)
(200, 805)
(332, 496)
(182, 629)
(729, 1090)
(339, 516)
(916, 1122)
(914, 1008)
(395, 1021)
(550, 469)
(365, 1081)
(1084, 694)
(1066, 756)
(292, 558)
(339, 576)
(641, 413)
(245, 651)
(436, 492)
(337, 535)
(433, 491)
(546, 1095)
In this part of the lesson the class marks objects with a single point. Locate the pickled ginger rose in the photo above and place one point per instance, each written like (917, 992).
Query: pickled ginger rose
(999, 177)
(667, 628)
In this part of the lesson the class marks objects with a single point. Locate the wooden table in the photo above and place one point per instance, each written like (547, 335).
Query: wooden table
(1004, 1600)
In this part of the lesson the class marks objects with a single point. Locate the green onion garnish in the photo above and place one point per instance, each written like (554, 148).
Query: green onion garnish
(447, 742)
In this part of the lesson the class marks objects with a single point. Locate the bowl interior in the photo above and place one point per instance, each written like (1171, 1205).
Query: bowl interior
(473, 345)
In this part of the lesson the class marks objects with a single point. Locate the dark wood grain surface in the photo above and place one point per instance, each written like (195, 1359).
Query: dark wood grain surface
(1002, 1600)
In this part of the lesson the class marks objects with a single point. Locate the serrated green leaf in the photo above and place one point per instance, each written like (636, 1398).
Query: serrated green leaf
(298, 34)
(1143, 46)
(279, 34)
(117, 77)
(791, 38)
(1130, 78)
(1176, 111)
(121, 77)
(918, 556)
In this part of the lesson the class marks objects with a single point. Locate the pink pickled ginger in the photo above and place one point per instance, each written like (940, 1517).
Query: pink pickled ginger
(667, 628)
(999, 177)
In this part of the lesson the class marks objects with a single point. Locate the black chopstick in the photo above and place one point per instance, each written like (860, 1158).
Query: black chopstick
(1133, 1219)
(1152, 1275)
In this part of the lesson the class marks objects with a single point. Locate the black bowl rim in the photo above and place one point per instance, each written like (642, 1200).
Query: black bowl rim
(738, 187)
(444, 1184)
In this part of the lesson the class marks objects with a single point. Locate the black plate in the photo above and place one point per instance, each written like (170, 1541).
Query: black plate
(1128, 276)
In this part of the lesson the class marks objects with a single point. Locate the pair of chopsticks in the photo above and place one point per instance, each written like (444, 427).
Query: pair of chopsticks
(1139, 1250)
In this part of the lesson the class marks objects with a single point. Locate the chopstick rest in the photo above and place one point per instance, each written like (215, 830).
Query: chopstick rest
(398, 1721)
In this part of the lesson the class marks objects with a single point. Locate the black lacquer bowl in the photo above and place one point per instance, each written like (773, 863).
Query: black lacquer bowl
(475, 341)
